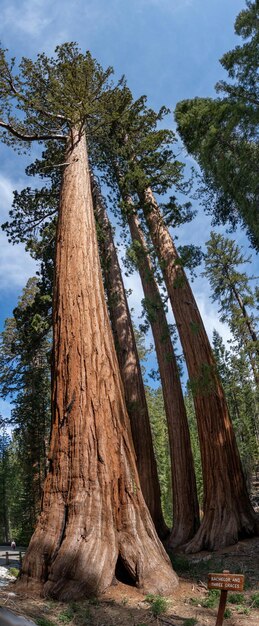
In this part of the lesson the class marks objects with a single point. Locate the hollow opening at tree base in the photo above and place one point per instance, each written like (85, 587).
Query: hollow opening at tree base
(122, 574)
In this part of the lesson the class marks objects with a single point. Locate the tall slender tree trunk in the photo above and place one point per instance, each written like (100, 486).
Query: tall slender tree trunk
(228, 514)
(130, 369)
(185, 500)
(252, 350)
(93, 510)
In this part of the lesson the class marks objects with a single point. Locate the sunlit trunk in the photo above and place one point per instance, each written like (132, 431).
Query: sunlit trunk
(93, 510)
(228, 514)
(130, 369)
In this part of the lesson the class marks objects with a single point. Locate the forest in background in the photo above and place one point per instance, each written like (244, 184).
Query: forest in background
(130, 154)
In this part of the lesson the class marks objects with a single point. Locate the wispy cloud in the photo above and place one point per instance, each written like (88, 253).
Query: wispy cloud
(31, 16)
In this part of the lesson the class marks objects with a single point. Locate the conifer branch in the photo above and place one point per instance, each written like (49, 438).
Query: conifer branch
(23, 137)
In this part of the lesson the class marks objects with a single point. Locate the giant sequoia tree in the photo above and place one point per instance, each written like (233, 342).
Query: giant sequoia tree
(93, 512)
(144, 159)
(128, 359)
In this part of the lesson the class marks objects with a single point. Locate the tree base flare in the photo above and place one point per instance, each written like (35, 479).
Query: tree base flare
(222, 530)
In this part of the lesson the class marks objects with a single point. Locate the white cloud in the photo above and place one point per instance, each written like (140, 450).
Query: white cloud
(30, 17)
(16, 265)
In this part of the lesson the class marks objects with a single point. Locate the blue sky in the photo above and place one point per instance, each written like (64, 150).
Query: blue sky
(168, 50)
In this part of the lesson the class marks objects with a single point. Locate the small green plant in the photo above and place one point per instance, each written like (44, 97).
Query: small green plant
(14, 571)
(243, 609)
(212, 599)
(255, 600)
(190, 621)
(42, 621)
(236, 598)
(227, 613)
(66, 616)
(158, 604)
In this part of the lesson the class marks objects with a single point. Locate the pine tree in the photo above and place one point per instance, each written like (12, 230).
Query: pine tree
(5, 530)
(242, 400)
(25, 375)
(230, 286)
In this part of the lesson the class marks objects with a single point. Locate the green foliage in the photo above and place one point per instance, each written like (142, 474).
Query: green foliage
(190, 621)
(161, 448)
(227, 613)
(224, 262)
(50, 95)
(194, 441)
(204, 383)
(25, 374)
(242, 400)
(43, 621)
(236, 598)
(255, 600)
(66, 616)
(158, 604)
(14, 571)
(211, 600)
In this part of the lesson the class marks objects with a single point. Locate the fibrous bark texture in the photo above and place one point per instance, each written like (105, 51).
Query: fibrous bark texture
(93, 510)
(185, 500)
(130, 369)
(228, 514)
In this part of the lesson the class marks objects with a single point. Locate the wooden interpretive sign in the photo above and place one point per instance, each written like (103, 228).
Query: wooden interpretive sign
(225, 582)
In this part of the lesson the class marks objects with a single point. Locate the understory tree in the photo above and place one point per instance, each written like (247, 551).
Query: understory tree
(93, 512)
(5, 530)
(231, 287)
(242, 398)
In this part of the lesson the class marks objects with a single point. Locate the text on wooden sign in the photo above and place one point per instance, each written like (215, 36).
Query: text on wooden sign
(228, 582)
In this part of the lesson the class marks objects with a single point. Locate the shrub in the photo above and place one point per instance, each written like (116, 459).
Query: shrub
(158, 604)
(42, 621)
(14, 571)
(236, 598)
(255, 600)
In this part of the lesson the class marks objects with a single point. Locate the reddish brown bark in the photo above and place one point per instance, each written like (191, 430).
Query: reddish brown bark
(93, 509)
(185, 500)
(228, 514)
(129, 367)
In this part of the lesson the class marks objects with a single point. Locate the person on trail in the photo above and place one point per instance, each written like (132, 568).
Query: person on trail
(13, 545)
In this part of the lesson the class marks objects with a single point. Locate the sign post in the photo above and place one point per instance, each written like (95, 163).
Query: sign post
(225, 582)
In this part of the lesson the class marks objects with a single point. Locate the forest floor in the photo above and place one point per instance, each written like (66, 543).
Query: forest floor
(190, 605)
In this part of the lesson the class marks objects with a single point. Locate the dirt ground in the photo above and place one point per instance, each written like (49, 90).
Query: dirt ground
(123, 605)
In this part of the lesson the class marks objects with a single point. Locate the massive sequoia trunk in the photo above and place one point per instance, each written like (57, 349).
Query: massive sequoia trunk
(185, 501)
(93, 510)
(228, 514)
(129, 367)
